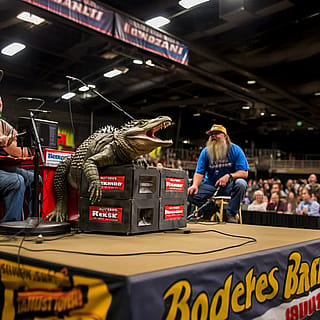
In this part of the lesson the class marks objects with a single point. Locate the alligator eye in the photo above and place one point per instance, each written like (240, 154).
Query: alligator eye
(141, 122)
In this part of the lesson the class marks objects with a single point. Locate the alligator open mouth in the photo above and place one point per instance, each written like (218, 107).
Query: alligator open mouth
(150, 134)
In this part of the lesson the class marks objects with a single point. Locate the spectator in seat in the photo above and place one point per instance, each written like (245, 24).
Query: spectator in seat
(307, 206)
(276, 205)
(258, 203)
(276, 187)
(312, 183)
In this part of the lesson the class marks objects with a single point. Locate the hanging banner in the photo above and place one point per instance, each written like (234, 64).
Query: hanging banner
(28, 291)
(145, 37)
(84, 12)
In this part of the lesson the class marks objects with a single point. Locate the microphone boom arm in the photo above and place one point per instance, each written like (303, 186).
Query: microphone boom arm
(113, 103)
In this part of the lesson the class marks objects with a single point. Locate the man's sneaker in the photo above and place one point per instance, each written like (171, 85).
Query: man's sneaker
(232, 218)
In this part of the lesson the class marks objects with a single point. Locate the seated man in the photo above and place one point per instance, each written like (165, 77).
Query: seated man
(12, 189)
(14, 181)
(221, 164)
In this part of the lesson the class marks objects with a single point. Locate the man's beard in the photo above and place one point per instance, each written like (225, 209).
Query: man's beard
(217, 150)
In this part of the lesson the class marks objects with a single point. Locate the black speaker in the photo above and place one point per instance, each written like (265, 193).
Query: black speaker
(47, 131)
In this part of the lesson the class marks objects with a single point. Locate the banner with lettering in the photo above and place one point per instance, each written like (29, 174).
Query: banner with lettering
(145, 37)
(281, 284)
(31, 291)
(84, 12)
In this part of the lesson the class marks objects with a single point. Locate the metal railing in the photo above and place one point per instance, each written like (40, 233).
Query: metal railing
(261, 161)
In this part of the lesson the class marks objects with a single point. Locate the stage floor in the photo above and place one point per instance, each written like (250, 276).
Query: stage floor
(199, 239)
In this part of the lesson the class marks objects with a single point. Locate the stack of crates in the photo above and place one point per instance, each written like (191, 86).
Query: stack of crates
(173, 199)
(130, 201)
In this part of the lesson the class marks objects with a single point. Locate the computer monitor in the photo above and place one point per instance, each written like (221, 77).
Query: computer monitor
(47, 131)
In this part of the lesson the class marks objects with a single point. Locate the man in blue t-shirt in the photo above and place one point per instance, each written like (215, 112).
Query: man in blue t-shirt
(221, 164)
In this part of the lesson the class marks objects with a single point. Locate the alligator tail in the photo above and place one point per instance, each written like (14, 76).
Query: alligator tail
(60, 179)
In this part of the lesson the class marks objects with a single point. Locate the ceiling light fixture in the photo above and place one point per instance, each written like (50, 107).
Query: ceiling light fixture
(68, 95)
(29, 17)
(137, 61)
(187, 4)
(84, 89)
(245, 107)
(150, 63)
(197, 114)
(113, 73)
(87, 88)
(317, 93)
(157, 22)
(251, 82)
(12, 49)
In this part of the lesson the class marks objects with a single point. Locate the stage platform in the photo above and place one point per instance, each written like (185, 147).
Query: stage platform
(204, 271)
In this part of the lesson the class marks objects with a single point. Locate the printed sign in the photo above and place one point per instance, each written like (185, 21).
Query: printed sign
(28, 292)
(105, 214)
(173, 212)
(84, 12)
(112, 182)
(53, 157)
(174, 184)
(145, 37)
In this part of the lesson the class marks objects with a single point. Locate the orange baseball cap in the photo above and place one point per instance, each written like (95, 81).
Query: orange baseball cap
(217, 127)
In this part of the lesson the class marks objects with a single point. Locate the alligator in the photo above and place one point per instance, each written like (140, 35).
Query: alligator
(105, 147)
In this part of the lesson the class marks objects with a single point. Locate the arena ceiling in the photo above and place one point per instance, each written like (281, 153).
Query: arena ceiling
(275, 43)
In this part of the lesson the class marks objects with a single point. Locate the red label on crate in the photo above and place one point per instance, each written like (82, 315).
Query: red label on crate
(174, 184)
(106, 214)
(112, 182)
(173, 212)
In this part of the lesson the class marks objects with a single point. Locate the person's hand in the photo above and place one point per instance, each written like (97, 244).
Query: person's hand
(193, 190)
(4, 141)
(223, 181)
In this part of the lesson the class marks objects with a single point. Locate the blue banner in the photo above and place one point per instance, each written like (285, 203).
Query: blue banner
(282, 284)
(142, 36)
(84, 12)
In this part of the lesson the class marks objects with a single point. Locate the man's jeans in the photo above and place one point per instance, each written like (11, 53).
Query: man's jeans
(236, 189)
(12, 189)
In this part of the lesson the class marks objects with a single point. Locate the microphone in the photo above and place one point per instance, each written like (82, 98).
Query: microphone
(39, 110)
(21, 133)
(76, 79)
(30, 99)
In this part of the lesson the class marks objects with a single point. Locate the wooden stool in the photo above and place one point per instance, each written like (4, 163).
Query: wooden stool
(222, 201)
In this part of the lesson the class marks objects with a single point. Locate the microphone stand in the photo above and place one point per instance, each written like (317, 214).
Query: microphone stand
(38, 150)
(209, 200)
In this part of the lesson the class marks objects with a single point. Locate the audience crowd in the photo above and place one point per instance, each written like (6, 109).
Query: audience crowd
(295, 196)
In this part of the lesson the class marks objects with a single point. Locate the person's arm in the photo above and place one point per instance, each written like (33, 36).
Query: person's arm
(197, 179)
(15, 151)
(314, 209)
(223, 181)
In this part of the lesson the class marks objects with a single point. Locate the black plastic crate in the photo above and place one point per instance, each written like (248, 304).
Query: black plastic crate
(174, 183)
(119, 216)
(126, 182)
(172, 214)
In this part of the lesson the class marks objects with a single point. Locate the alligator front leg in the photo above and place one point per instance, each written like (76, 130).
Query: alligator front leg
(90, 169)
(59, 213)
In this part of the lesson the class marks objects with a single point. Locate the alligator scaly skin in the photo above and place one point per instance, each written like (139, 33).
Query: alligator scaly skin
(105, 147)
